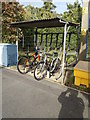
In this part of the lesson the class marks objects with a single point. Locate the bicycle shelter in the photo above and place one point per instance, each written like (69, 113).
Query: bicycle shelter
(47, 23)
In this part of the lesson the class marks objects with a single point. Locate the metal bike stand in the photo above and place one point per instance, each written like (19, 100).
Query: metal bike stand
(48, 74)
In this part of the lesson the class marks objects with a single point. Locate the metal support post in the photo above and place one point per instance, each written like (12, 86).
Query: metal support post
(34, 41)
(69, 41)
(23, 41)
(64, 51)
(78, 47)
(17, 43)
(41, 41)
(36, 36)
(64, 45)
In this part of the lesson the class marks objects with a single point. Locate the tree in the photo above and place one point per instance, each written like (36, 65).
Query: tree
(47, 11)
(73, 13)
(11, 12)
(35, 13)
(30, 12)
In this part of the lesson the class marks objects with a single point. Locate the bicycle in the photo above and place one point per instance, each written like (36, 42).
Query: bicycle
(27, 62)
(41, 68)
(54, 67)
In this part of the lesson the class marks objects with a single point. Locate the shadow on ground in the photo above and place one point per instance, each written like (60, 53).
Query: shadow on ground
(72, 105)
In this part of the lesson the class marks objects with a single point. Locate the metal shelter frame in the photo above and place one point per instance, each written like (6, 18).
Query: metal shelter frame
(46, 23)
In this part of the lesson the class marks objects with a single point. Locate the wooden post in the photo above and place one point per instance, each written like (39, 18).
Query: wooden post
(84, 30)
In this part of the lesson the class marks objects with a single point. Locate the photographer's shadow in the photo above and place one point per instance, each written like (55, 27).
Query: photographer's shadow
(72, 106)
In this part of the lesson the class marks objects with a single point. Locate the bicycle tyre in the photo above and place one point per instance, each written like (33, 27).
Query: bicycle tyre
(23, 62)
(43, 68)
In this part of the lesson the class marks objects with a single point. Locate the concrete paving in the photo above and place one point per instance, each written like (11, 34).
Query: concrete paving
(24, 97)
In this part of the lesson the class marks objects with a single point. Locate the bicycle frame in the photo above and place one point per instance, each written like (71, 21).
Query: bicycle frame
(35, 57)
(53, 59)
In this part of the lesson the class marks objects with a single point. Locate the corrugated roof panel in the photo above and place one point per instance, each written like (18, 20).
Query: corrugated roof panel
(43, 23)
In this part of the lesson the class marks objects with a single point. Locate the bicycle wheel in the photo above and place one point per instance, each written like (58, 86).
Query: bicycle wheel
(23, 65)
(58, 69)
(40, 71)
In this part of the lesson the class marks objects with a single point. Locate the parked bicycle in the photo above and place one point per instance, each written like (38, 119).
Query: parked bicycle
(42, 67)
(28, 62)
(54, 66)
